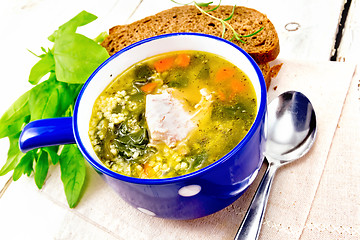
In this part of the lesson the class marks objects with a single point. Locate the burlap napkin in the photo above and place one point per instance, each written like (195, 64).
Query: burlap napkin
(309, 199)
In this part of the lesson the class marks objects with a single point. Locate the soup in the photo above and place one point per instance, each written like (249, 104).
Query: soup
(172, 114)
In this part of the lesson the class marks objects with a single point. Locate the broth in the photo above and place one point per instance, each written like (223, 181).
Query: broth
(172, 114)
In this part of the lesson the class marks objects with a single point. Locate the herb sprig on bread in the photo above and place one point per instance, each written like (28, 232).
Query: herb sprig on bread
(224, 22)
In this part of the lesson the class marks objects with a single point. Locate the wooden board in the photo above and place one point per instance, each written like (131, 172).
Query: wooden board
(349, 49)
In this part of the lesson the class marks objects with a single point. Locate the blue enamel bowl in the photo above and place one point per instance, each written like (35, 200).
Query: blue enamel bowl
(190, 196)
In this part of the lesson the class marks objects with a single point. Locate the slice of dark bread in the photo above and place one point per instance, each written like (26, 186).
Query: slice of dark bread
(266, 71)
(263, 46)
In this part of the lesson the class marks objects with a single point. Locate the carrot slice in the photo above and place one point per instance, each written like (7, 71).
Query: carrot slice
(224, 74)
(149, 171)
(222, 96)
(182, 60)
(149, 87)
(164, 64)
(237, 86)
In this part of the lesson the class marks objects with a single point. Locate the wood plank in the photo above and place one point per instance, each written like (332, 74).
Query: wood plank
(22, 206)
(26, 213)
(349, 49)
(317, 25)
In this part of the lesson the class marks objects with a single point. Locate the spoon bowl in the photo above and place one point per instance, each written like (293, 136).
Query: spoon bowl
(291, 132)
(291, 127)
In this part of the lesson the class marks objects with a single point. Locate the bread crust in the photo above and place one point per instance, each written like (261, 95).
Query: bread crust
(266, 71)
(262, 47)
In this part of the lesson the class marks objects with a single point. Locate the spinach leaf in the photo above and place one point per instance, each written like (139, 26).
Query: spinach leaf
(41, 169)
(45, 65)
(14, 127)
(176, 79)
(70, 62)
(199, 160)
(226, 112)
(237, 111)
(76, 57)
(126, 142)
(14, 155)
(73, 170)
(101, 37)
(75, 90)
(15, 116)
(52, 151)
(143, 72)
(71, 26)
(25, 166)
(204, 72)
(49, 99)
(134, 139)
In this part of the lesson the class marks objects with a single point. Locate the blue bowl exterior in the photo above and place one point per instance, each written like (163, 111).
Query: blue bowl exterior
(221, 182)
(220, 186)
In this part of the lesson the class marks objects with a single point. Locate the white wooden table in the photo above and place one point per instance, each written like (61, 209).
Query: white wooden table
(307, 31)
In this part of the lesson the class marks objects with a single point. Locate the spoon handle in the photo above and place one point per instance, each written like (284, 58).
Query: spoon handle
(250, 227)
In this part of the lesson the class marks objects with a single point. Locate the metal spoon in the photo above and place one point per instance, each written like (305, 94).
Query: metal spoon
(291, 134)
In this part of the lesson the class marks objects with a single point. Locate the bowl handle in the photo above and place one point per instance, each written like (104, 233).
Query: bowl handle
(46, 132)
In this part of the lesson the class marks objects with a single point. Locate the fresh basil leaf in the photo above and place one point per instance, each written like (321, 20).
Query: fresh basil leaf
(73, 170)
(45, 65)
(25, 166)
(41, 169)
(71, 26)
(49, 99)
(76, 57)
(15, 116)
(14, 155)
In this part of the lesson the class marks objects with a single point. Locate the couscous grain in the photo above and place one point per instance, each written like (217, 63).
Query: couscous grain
(200, 89)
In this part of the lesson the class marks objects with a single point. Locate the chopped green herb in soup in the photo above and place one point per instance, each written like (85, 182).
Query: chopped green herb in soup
(172, 114)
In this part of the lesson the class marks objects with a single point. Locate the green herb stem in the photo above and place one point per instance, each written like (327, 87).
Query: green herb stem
(223, 22)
